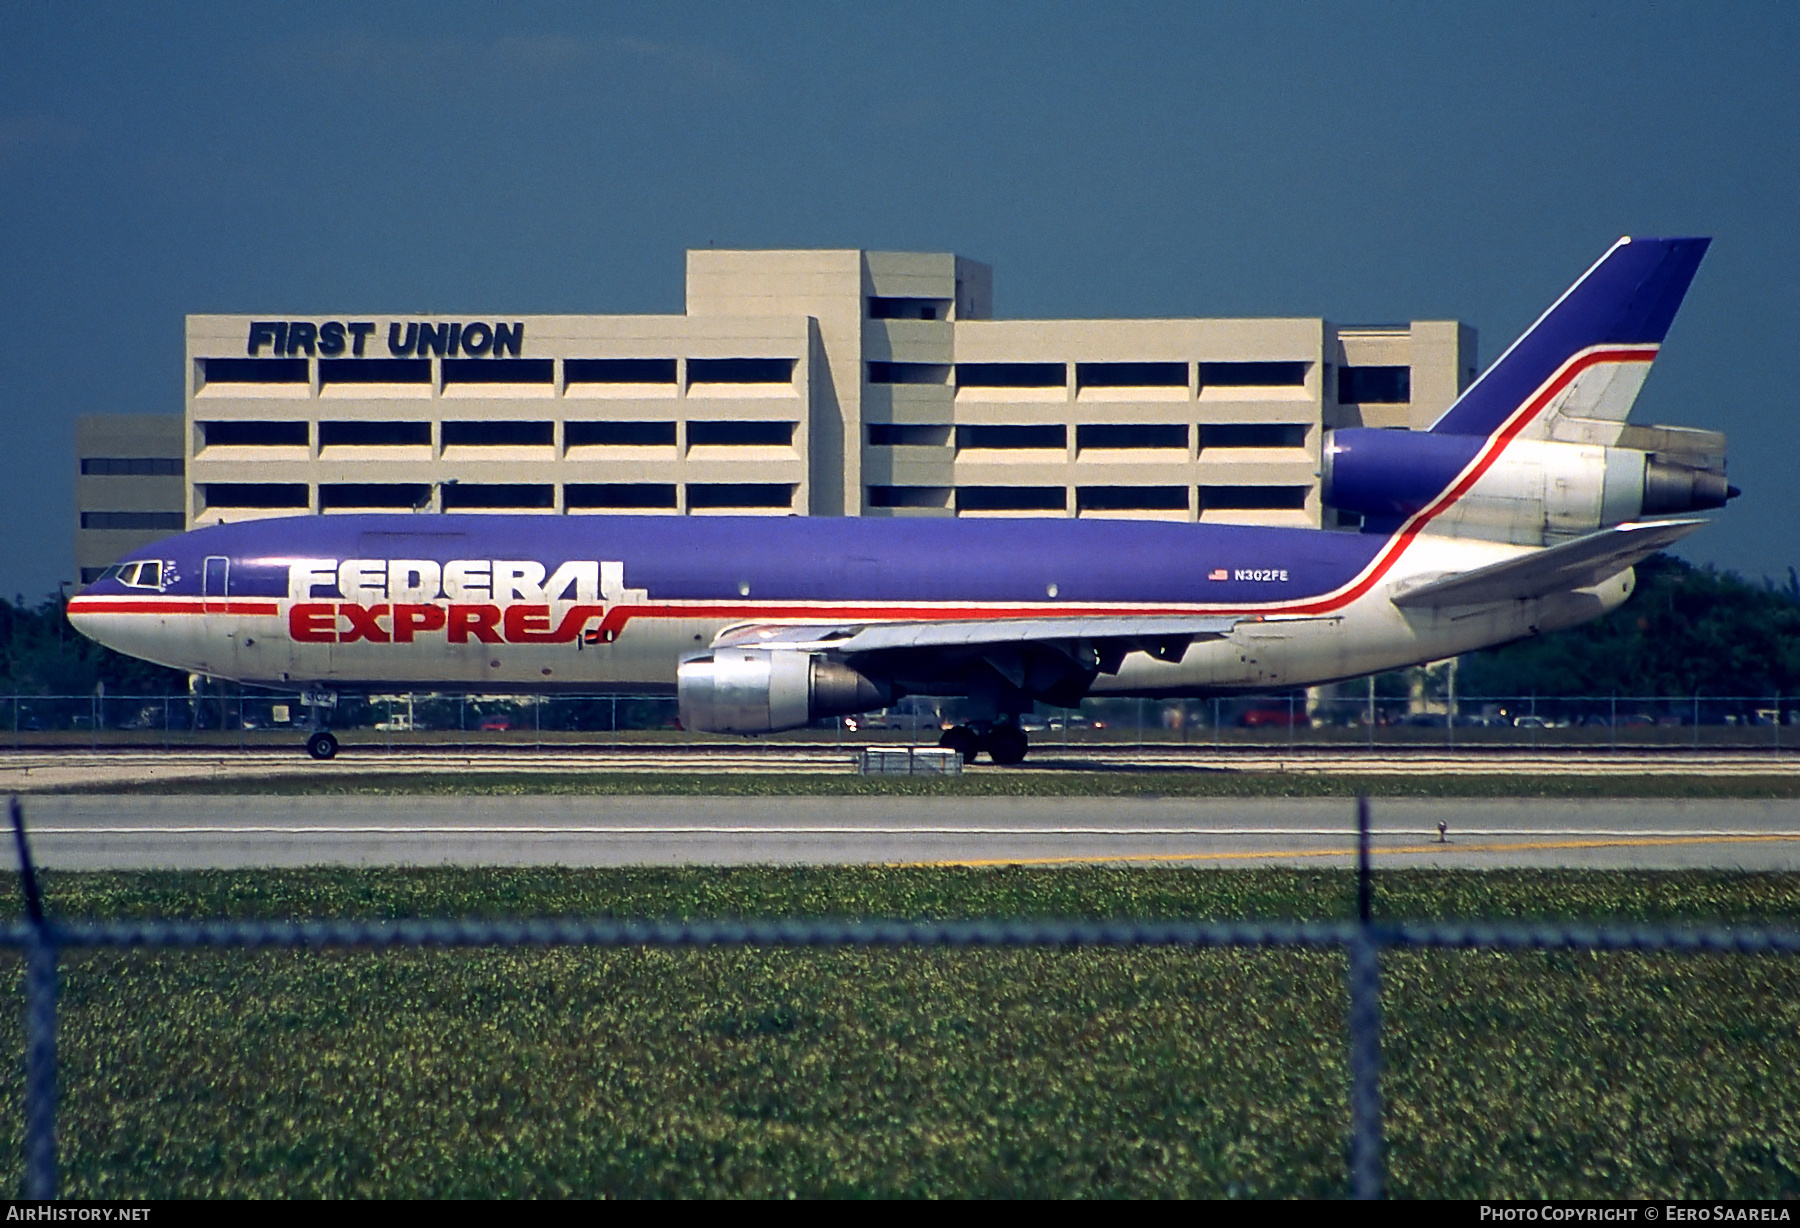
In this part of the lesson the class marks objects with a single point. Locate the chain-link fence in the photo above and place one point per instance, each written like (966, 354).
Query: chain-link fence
(43, 939)
(1327, 718)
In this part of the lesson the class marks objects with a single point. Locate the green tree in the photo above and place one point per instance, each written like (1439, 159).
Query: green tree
(1684, 630)
(42, 654)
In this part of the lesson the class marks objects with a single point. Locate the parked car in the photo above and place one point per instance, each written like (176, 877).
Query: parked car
(494, 724)
(1257, 718)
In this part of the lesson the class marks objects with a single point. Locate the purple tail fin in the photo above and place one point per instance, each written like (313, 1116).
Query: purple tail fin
(1629, 298)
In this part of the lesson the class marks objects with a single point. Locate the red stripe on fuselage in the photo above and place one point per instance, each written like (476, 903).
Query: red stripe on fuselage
(170, 605)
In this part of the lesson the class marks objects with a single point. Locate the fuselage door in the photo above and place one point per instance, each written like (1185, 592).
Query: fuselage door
(215, 578)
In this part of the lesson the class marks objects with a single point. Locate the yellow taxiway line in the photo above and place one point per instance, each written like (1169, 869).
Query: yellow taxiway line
(1287, 854)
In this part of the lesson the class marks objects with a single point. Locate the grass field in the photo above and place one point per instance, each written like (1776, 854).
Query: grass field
(912, 1072)
(1086, 783)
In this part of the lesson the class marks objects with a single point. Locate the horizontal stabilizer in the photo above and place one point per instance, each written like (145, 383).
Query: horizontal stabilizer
(1558, 569)
(880, 637)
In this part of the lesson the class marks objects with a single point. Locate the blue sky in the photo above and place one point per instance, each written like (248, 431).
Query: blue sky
(1359, 161)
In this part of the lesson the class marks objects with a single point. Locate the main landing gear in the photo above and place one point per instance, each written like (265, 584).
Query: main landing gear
(1005, 743)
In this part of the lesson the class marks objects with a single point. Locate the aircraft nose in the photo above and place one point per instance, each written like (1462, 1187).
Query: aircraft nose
(83, 622)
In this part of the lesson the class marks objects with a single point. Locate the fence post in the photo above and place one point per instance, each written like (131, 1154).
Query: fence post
(1365, 1028)
(1371, 711)
(40, 1029)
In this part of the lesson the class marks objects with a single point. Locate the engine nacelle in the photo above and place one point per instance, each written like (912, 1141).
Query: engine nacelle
(1536, 491)
(755, 690)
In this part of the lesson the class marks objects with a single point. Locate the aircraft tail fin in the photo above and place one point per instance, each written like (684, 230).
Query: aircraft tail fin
(1575, 373)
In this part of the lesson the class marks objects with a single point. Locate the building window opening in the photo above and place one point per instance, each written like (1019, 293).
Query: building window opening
(909, 373)
(254, 370)
(619, 370)
(1131, 498)
(1253, 374)
(1132, 435)
(139, 522)
(740, 370)
(1131, 374)
(374, 434)
(909, 308)
(619, 435)
(255, 434)
(374, 371)
(501, 434)
(476, 496)
(909, 496)
(1011, 374)
(740, 434)
(1374, 385)
(132, 466)
(1011, 437)
(254, 495)
(1253, 435)
(622, 496)
(499, 371)
(1012, 499)
(740, 494)
(904, 435)
(407, 495)
(1253, 498)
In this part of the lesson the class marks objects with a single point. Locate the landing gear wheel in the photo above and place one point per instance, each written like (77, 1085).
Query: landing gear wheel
(961, 739)
(1006, 745)
(321, 745)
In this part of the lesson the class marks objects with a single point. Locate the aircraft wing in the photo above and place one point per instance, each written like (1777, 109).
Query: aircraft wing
(1148, 631)
(1558, 569)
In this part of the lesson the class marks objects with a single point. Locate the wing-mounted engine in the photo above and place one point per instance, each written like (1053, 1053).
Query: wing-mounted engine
(1537, 491)
(757, 690)
(762, 678)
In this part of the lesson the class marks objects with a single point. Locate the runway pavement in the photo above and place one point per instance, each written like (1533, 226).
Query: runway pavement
(192, 832)
(36, 771)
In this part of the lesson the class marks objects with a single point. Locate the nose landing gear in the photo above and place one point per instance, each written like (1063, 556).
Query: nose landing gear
(320, 743)
(1004, 742)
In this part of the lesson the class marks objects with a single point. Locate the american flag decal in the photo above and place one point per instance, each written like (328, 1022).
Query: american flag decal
(1217, 573)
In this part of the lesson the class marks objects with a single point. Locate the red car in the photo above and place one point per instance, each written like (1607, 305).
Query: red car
(495, 724)
(1258, 718)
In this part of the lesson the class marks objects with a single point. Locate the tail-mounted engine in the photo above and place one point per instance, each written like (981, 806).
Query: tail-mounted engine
(1537, 491)
(747, 690)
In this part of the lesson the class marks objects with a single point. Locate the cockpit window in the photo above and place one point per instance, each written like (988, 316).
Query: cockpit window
(141, 575)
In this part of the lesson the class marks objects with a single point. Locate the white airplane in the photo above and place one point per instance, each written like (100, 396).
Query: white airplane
(1521, 511)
